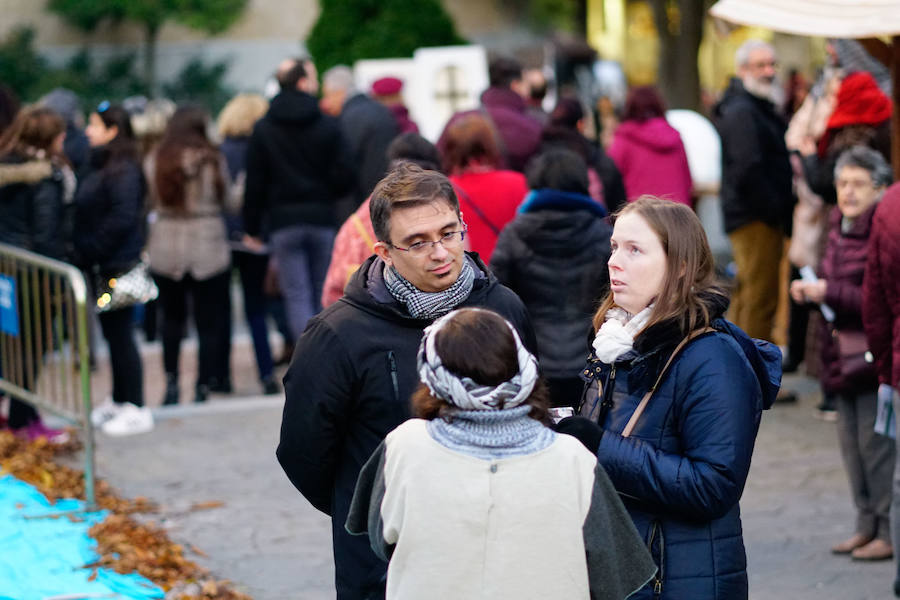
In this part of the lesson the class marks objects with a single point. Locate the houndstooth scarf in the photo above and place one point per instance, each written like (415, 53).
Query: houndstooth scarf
(430, 305)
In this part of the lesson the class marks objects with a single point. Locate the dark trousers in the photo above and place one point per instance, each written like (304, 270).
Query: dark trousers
(127, 370)
(212, 317)
(869, 462)
(252, 269)
(303, 253)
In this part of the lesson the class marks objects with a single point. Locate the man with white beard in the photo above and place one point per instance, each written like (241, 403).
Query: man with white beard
(756, 195)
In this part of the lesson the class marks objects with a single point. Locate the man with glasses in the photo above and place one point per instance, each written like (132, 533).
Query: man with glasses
(756, 195)
(354, 368)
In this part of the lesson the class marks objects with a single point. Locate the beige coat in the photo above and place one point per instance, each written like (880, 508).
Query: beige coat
(192, 241)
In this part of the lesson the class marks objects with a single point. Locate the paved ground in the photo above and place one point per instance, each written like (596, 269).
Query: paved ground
(269, 541)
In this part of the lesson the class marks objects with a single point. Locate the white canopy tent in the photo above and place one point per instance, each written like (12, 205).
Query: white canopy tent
(857, 19)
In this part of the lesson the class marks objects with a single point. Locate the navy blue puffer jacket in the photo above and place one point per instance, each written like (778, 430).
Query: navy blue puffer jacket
(683, 469)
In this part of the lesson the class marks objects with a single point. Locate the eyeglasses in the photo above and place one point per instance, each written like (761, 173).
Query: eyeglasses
(103, 107)
(451, 239)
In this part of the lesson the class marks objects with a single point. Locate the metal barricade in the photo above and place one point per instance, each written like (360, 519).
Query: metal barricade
(44, 350)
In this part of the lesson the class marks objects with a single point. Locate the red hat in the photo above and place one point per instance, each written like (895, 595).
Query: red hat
(387, 86)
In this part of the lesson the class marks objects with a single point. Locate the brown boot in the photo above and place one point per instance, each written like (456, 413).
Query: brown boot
(857, 540)
(877, 549)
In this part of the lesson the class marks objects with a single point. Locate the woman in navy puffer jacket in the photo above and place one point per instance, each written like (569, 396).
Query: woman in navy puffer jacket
(682, 468)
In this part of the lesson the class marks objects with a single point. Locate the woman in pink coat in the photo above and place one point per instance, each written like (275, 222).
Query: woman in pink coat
(649, 151)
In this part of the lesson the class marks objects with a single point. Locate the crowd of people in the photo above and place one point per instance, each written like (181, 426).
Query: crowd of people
(469, 307)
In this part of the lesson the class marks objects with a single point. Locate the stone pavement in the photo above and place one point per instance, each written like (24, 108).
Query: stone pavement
(268, 540)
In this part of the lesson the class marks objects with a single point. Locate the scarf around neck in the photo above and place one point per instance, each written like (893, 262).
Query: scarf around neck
(491, 434)
(430, 305)
(616, 336)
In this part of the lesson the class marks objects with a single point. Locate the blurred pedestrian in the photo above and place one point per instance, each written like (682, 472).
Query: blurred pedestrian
(368, 127)
(355, 240)
(35, 184)
(674, 400)
(881, 317)
(536, 86)
(298, 165)
(488, 194)
(235, 125)
(354, 368)
(861, 176)
(504, 103)
(387, 91)
(757, 199)
(649, 152)
(67, 105)
(9, 107)
(189, 253)
(861, 116)
(566, 130)
(109, 219)
(553, 255)
(543, 521)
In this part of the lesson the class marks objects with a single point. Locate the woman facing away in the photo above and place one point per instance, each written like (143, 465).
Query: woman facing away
(553, 256)
(649, 152)
(36, 183)
(109, 219)
(861, 176)
(674, 401)
(488, 194)
(189, 252)
(477, 498)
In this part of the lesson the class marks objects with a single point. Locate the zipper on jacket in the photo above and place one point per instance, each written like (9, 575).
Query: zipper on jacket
(392, 364)
(606, 401)
(661, 563)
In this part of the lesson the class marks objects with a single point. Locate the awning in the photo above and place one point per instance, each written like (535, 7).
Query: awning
(826, 18)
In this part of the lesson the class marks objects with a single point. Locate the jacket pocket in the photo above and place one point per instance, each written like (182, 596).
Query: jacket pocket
(656, 543)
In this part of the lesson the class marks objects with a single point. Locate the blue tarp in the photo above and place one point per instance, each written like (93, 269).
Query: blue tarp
(43, 558)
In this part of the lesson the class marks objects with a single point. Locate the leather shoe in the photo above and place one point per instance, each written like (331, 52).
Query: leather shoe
(875, 550)
(857, 540)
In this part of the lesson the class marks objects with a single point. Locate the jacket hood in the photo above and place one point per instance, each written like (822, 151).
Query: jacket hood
(295, 107)
(654, 133)
(500, 97)
(29, 172)
(544, 199)
(367, 291)
(764, 358)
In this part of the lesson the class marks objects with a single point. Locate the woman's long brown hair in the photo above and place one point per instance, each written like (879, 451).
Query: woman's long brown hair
(690, 270)
(186, 130)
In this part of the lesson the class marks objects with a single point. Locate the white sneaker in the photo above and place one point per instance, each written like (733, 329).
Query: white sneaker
(130, 420)
(104, 412)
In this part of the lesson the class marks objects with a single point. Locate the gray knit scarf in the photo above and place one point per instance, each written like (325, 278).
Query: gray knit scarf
(430, 305)
(491, 434)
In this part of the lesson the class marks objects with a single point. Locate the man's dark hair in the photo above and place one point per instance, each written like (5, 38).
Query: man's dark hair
(407, 186)
(412, 147)
(288, 78)
(503, 70)
(561, 170)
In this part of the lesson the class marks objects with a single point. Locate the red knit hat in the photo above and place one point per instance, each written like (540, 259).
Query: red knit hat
(860, 102)
(387, 86)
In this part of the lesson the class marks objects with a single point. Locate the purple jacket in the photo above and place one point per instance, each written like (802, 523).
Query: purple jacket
(652, 160)
(843, 267)
(881, 288)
